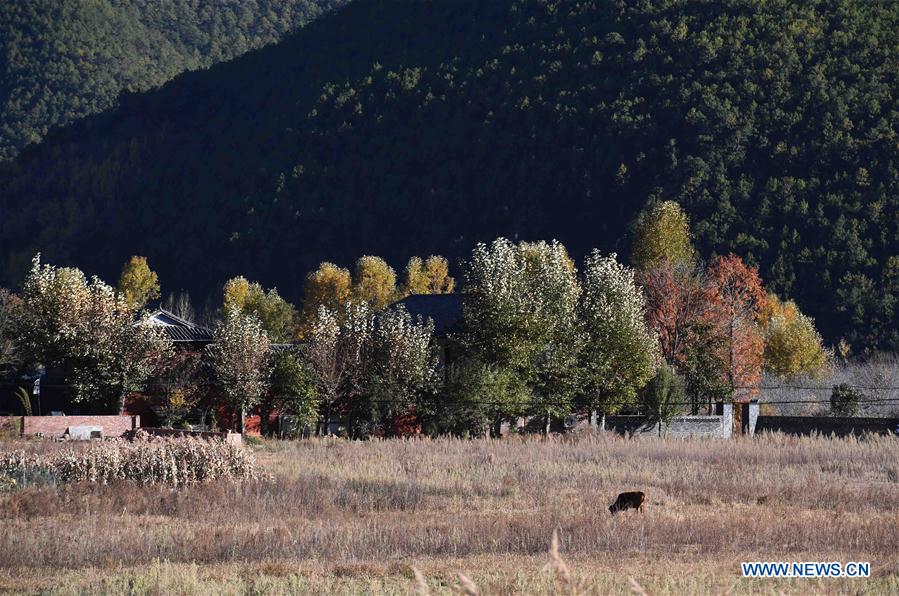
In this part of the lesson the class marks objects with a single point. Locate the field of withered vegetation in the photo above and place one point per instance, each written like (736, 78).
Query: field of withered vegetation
(331, 516)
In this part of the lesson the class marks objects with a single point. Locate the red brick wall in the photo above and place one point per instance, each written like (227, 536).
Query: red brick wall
(55, 426)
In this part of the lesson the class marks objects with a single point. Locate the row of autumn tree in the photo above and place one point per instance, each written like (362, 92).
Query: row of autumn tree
(372, 281)
(99, 338)
(538, 337)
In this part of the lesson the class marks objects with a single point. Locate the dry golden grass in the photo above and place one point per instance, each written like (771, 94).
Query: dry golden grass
(404, 516)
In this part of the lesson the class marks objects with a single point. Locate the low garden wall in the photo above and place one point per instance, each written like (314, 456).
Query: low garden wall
(226, 436)
(57, 426)
(720, 427)
(827, 425)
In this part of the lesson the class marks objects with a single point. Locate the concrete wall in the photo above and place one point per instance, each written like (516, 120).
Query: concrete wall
(56, 426)
(750, 417)
(826, 425)
(681, 426)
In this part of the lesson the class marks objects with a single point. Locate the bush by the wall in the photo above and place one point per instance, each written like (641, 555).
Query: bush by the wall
(844, 400)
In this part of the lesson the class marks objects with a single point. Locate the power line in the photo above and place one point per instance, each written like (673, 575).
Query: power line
(551, 403)
(445, 401)
(735, 388)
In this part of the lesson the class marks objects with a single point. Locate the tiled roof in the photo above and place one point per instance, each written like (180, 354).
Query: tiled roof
(284, 347)
(444, 309)
(178, 329)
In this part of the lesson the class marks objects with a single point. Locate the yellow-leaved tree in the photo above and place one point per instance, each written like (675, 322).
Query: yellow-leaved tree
(430, 276)
(278, 317)
(662, 233)
(792, 344)
(329, 286)
(138, 284)
(374, 282)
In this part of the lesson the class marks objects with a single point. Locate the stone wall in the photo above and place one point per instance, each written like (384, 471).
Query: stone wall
(720, 426)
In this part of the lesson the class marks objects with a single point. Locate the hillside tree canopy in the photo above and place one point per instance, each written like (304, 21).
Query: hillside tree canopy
(398, 128)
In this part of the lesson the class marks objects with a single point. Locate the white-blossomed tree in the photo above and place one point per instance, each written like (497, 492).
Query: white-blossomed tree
(371, 366)
(621, 354)
(402, 366)
(89, 330)
(241, 360)
(520, 314)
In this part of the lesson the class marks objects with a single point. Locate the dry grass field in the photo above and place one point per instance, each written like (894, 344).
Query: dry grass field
(332, 516)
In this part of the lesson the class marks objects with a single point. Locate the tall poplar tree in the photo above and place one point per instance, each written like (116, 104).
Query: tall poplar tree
(662, 233)
(241, 360)
(520, 312)
(138, 284)
(374, 282)
(621, 353)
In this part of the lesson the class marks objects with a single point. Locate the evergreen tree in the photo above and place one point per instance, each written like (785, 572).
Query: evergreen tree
(292, 389)
(663, 397)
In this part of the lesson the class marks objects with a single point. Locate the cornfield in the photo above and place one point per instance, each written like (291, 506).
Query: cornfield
(172, 462)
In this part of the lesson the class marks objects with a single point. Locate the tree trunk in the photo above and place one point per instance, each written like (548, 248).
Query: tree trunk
(730, 368)
(602, 423)
(264, 412)
(548, 420)
(327, 432)
(593, 420)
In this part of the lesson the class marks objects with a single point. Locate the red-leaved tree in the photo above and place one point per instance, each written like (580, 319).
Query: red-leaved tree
(716, 308)
(677, 298)
(736, 296)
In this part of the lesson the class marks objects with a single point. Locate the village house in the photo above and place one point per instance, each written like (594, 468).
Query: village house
(182, 333)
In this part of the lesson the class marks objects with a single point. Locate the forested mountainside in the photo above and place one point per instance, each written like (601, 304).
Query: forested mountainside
(401, 127)
(64, 59)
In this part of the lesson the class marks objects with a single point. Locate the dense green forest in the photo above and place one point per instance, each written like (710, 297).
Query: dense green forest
(64, 59)
(401, 127)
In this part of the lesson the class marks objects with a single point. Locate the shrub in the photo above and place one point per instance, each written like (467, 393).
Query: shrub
(844, 400)
(664, 396)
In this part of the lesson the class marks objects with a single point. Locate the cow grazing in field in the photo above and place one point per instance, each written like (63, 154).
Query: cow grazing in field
(629, 500)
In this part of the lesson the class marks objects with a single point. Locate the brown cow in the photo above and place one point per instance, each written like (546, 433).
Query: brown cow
(629, 500)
